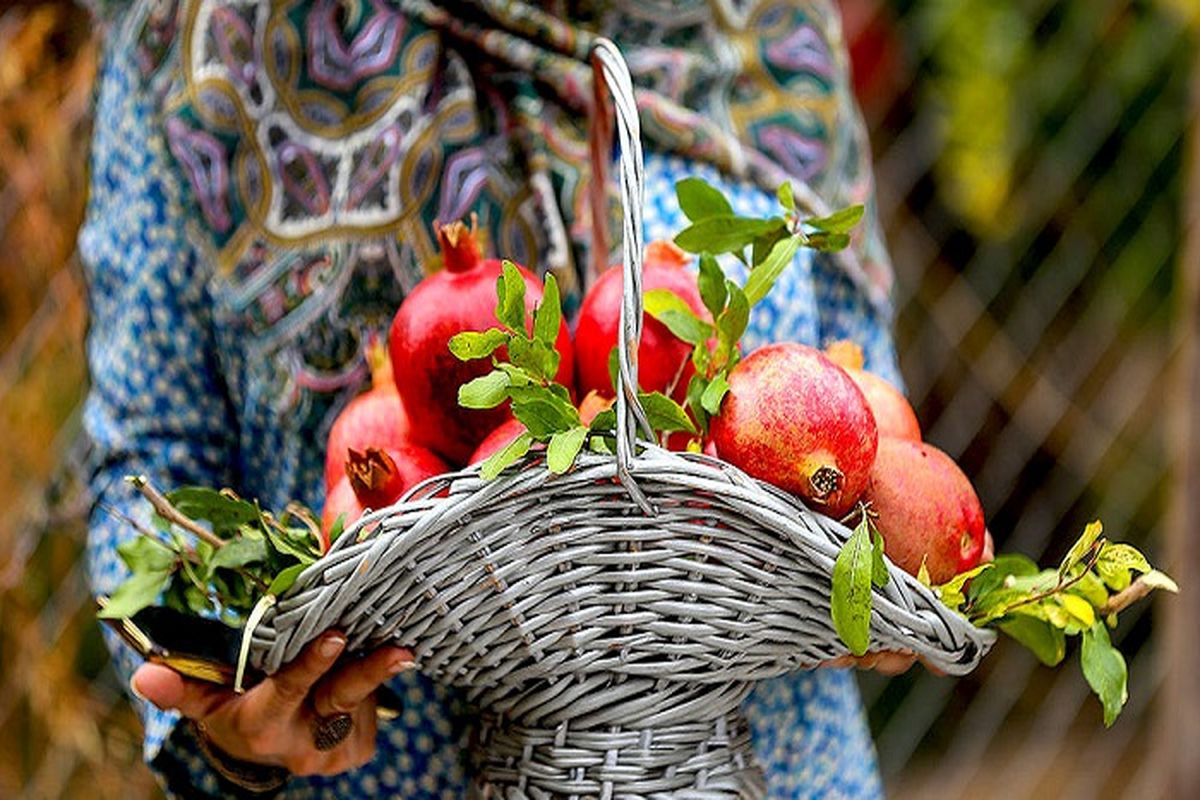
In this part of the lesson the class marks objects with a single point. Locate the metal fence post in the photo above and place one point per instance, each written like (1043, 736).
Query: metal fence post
(1179, 715)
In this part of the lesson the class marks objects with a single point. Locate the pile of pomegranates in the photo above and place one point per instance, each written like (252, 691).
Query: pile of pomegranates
(814, 424)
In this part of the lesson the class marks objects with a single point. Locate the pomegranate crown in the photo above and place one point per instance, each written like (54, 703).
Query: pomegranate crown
(459, 244)
(371, 474)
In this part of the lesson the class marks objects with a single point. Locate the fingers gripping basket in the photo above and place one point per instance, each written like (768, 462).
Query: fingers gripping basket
(607, 622)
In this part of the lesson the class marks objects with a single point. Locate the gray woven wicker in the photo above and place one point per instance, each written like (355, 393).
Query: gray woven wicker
(607, 622)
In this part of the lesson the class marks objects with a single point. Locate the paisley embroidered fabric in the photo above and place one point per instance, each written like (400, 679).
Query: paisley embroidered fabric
(263, 180)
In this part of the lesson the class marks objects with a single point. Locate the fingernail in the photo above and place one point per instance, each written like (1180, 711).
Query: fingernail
(401, 664)
(331, 646)
(134, 690)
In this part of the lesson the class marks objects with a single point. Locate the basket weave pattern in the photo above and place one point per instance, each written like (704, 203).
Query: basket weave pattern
(608, 622)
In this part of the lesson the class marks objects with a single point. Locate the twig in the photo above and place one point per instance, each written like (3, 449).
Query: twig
(1093, 555)
(168, 512)
(1125, 598)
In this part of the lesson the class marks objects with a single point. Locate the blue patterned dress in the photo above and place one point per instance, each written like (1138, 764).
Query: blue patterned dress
(222, 371)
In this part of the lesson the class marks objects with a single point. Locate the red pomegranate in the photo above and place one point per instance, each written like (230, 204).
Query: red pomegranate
(376, 478)
(894, 415)
(664, 362)
(795, 419)
(375, 418)
(926, 510)
(461, 297)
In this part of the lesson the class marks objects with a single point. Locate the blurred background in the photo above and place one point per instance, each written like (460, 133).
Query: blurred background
(1033, 162)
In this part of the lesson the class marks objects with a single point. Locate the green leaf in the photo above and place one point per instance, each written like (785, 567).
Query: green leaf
(1004, 565)
(486, 391)
(606, 420)
(671, 310)
(879, 570)
(786, 198)
(548, 316)
(712, 285)
(701, 358)
(238, 553)
(763, 245)
(724, 233)
(732, 323)
(1045, 641)
(699, 200)
(143, 554)
(665, 414)
(763, 277)
(470, 345)
(517, 376)
(998, 602)
(338, 528)
(1113, 575)
(838, 222)
(714, 393)
(563, 448)
(510, 298)
(285, 579)
(850, 601)
(951, 592)
(1105, 670)
(614, 366)
(1091, 589)
(827, 242)
(1121, 556)
(198, 602)
(499, 461)
(923, 575)
(224, 512)
(296, 547)
(697, 386)
(139, 590)
(1081, 547)
(535, 357)
(1081, 610)
(604, 445)
(543, 411)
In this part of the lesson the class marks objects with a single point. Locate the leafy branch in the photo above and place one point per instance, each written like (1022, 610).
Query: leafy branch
(524, 368)
(211, 553)
(766, 246)
(1037, 607)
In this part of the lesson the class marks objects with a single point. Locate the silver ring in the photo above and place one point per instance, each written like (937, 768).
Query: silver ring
(329, 732)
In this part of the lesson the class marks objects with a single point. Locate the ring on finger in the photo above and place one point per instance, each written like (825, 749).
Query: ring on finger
(328, 732)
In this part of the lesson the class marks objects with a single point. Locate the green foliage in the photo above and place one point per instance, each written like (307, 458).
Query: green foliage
(716, 230)
(1037, 608)
(1041, 607)
(859, 565)
(212, 553)
(526, 379)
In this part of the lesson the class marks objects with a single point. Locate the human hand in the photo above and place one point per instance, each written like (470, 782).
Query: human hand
(273, 723)
(885, 662)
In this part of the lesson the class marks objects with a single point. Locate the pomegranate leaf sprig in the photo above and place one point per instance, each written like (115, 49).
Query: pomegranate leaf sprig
(1081, 597)
(1037, 607)
(211, 553)
(525, 365)
(766, 246)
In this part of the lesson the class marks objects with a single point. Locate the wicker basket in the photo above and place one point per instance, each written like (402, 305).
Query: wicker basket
(607, 622)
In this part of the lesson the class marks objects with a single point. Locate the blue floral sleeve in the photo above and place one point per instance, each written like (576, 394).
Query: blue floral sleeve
(156, 405)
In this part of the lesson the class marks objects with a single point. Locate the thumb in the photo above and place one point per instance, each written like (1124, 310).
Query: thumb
(287, 689)
(168, 690)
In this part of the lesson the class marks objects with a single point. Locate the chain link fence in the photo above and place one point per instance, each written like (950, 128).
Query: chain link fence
(1031, 160)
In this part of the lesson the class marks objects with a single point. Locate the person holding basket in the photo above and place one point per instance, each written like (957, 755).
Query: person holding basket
(264, 181)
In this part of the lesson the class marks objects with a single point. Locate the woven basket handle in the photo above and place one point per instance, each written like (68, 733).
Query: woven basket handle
(611, 73)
